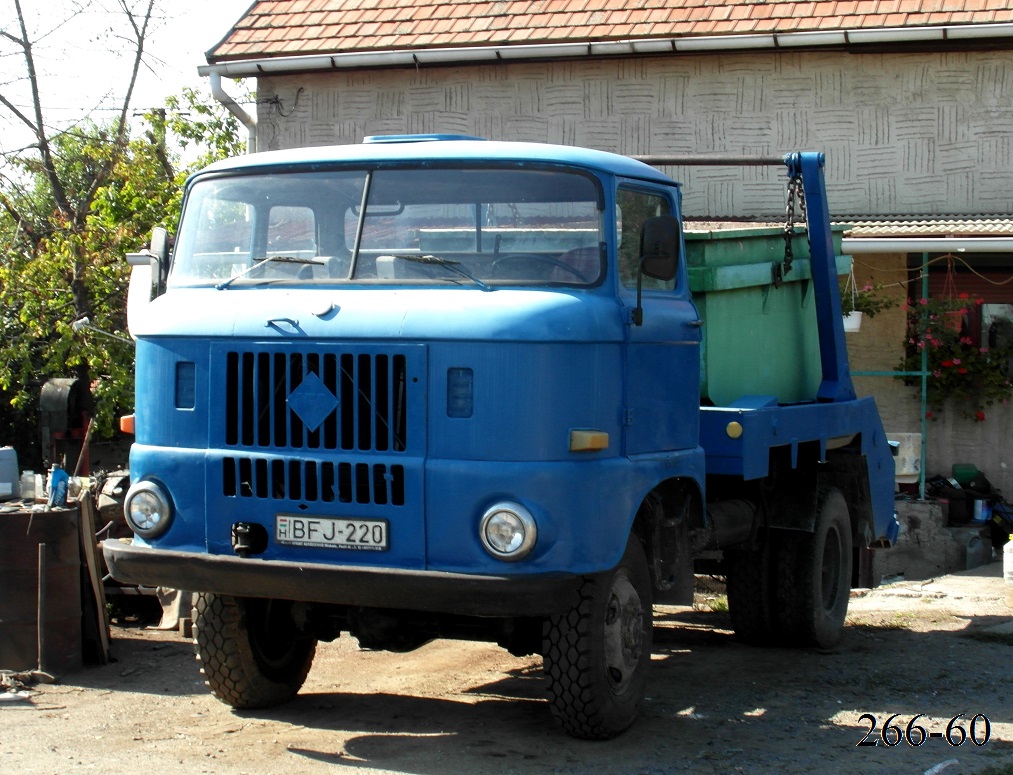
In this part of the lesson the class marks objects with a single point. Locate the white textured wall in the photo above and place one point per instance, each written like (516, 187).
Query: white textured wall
(905, 134)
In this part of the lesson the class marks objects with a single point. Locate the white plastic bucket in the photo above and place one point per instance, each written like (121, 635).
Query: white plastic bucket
(908, 460)
(853, 321)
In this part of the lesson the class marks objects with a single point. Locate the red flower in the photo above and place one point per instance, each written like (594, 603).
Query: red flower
(979, 416)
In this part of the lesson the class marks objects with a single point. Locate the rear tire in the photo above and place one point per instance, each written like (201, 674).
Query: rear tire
(596, 655)
(814, 576)
(252, 653)
(751, 592)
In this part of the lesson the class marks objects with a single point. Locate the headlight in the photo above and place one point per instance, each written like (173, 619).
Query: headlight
(147, 509)
(508, 531)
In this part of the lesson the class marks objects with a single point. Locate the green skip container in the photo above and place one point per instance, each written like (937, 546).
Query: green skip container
(757, 339)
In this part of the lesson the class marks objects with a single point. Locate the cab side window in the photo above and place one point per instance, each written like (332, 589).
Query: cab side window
(635, 207)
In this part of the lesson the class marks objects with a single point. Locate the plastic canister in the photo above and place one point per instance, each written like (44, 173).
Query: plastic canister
(1007, 568)
(10, 484)
(28, 485)
(982, 511)
(58, 481)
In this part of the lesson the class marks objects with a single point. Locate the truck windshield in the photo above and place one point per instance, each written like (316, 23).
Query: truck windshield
(481, 227)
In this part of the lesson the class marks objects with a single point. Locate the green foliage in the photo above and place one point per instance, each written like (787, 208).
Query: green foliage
(204, 126)
(64, 231)
(961, 373)
(868, 299)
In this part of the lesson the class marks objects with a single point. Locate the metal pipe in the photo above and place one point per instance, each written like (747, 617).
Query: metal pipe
(236, 110)
(924, 380)
(40, 612)
(656, 159)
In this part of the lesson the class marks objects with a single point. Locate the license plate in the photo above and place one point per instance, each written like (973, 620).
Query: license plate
(331, 533)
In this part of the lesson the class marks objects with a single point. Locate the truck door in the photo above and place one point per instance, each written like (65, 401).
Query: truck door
(663, 353)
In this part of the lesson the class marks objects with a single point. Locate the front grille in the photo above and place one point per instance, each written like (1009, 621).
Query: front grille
(313, 481)
(354, 401)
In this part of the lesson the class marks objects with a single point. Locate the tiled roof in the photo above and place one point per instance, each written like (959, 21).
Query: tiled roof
(964, 227)
(907, 227)
(304, 27)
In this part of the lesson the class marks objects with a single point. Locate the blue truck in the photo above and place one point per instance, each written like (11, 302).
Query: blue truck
(442, 387)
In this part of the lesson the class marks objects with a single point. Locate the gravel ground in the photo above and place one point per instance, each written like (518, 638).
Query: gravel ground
(930, 650)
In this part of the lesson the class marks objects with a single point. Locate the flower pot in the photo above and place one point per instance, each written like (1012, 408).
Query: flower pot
(852, 321)
(954, 320)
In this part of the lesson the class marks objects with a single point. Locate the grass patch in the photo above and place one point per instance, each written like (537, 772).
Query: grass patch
(718, 605)
(896, 620)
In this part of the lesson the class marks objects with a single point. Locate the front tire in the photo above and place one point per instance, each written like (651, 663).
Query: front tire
(596, 655)
(252, 652)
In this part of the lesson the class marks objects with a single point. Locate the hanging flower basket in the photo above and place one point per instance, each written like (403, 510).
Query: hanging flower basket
(852, 321)
(953, 319)
(858, 303)
(960, 372)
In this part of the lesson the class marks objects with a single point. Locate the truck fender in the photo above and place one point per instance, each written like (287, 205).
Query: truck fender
(666, 522)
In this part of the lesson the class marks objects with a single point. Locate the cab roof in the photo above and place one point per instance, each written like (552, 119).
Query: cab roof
(444, 148)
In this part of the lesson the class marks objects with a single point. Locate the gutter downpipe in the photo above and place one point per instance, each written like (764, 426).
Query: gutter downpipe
(924, 245)
(235, 109)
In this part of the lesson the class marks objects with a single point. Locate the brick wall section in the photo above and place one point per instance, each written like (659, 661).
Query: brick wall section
(905, 134)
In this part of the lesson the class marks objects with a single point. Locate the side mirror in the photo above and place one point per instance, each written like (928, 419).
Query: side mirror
(659, 255)
(159, 255)
(659, 247)
(148, 272)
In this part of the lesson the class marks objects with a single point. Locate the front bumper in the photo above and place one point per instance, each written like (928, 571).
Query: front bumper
(435, 591)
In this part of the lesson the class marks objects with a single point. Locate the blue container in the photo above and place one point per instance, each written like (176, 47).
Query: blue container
(58, 481)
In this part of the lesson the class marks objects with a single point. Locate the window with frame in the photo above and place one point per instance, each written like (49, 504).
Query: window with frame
(634, 207)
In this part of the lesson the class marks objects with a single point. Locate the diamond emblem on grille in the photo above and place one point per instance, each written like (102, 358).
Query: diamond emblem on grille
(312, 401)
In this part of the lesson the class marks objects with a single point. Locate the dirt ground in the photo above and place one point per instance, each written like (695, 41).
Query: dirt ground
(938, 648)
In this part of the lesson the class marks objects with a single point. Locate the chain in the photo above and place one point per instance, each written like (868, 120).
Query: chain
(795, 192)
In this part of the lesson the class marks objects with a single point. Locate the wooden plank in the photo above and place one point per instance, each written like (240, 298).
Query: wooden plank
(89, 551)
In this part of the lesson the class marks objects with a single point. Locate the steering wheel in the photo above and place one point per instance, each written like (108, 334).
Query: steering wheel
(511, 257)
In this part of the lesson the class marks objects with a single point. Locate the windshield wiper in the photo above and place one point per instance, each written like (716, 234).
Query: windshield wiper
(280, 259)
(454, 266)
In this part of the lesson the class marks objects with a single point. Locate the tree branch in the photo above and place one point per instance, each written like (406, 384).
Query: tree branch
(23, 223)
(140, 36)
(59, 194)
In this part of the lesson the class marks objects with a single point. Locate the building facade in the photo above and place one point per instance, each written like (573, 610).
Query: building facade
(913, 110)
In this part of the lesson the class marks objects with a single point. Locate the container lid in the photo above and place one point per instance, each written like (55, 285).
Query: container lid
(965, 472)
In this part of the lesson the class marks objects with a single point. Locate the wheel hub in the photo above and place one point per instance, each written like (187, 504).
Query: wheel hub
(624, 634)
(831, 570)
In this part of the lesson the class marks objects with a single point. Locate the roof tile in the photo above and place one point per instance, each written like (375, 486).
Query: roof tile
(281, 27)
